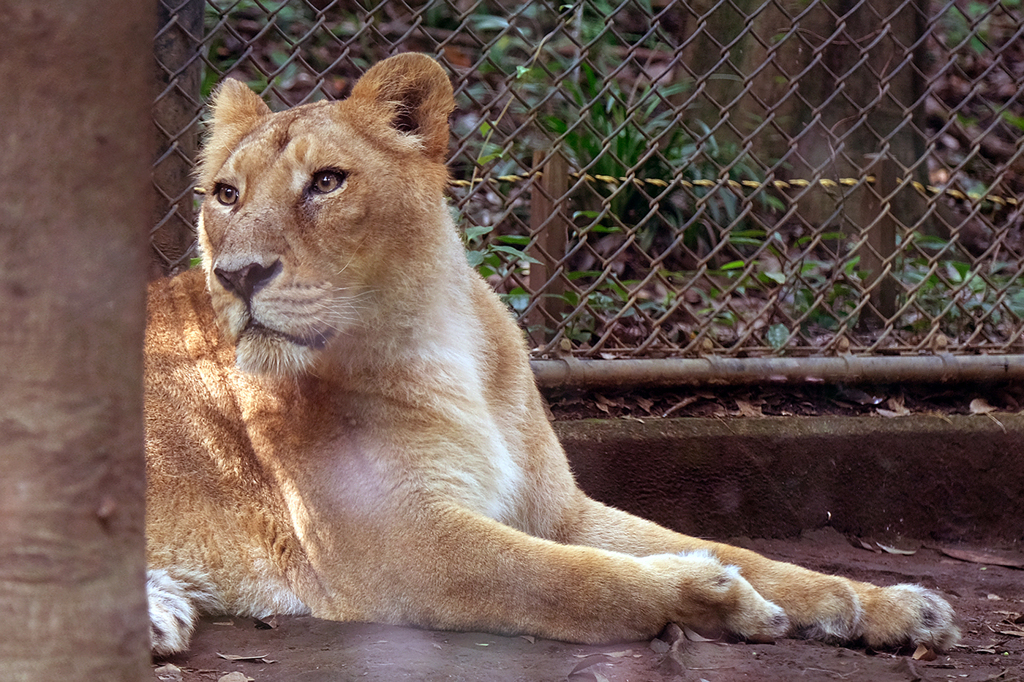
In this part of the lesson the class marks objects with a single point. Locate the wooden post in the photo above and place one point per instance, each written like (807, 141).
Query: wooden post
(550, 227)
(876, 216)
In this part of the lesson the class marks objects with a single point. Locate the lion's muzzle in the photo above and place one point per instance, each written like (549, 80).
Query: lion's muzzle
(247, 280)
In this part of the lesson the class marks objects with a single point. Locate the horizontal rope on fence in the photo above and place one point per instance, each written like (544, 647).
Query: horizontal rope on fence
(825, 183)
(794, 183)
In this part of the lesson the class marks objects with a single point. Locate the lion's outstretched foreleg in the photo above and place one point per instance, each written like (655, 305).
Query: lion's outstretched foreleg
(463, 571)
(820, 606)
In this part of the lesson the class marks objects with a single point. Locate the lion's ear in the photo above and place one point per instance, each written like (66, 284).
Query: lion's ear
(416, 92)
(236, 109)
(236, 106)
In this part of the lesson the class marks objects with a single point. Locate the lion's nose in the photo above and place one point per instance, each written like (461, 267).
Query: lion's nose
(247, 280)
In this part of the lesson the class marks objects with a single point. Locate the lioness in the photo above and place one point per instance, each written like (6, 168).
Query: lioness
(341, 419)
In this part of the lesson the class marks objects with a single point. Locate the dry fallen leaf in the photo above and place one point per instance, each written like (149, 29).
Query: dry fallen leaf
(236, 677)
(1012, 633)
(609, 654)
(254, 658)
(748, 409)
(855, 395)
(923, 653)
(981, 406)
(982, 558)
(893, 550)
(861, 544)
(591, 669)
(265, 623)
(897, 406)
(168, 673)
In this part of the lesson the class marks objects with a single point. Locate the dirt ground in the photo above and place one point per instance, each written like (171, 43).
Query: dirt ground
(988, 598)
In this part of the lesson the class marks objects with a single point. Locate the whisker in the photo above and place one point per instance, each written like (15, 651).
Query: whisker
(352, 257)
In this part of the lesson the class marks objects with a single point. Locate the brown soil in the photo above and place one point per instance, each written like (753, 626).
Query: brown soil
(989, 600)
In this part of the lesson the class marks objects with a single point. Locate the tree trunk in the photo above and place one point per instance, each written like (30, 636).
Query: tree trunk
(74, 204)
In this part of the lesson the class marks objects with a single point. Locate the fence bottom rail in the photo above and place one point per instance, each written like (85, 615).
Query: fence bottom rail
(637, 373)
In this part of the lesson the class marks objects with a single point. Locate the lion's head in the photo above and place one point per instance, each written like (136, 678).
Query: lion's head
(315, 215)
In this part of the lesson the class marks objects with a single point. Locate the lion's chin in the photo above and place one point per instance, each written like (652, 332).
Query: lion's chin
(259, 351)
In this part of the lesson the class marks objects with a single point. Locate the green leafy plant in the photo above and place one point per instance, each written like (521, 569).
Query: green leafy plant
(958, 295)
(613, 133)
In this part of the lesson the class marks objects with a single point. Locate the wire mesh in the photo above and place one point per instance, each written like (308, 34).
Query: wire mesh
(652, 178)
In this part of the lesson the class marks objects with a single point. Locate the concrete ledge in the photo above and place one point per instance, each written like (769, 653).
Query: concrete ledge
(948, 478)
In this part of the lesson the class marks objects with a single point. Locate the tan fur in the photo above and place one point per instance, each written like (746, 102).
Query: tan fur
(360, 437)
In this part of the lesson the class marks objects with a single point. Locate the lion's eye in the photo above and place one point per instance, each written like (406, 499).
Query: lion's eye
(326, 181)
(226, 194)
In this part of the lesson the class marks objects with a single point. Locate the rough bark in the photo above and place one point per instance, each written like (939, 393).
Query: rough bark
(74, 203)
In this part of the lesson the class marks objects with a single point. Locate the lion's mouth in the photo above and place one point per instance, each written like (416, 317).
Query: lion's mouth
(316, 340)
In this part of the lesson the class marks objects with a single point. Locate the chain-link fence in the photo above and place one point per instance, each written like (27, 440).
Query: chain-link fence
(659, 179)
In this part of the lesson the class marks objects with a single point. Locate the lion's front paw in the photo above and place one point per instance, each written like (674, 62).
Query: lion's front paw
(715, 596)
(171, 614)
(174, 605)
(908, 614)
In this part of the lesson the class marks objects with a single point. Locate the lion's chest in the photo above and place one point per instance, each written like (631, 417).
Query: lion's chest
(365, 458)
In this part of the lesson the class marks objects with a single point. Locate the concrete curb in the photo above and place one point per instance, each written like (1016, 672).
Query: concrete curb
(947, 478)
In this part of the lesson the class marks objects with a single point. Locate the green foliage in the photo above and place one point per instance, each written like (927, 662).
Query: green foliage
(816, 296)
(970, 24)
(607, 130)
(498, 255)
(958, 292)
